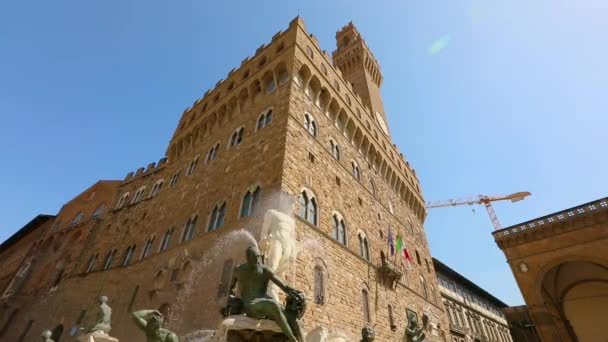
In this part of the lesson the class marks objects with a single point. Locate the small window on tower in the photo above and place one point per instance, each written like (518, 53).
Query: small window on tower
(309, 51)
(311, 157)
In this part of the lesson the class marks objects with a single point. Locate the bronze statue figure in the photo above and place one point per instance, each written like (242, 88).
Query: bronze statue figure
(368, 334)
(253, 279)
(152, 324)
(104, 317)
(413, 332)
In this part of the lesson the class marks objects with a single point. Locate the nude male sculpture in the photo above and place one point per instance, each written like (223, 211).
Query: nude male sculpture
(253, 279)
(151, 323)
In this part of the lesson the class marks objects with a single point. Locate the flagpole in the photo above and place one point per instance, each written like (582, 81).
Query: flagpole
(396, 252)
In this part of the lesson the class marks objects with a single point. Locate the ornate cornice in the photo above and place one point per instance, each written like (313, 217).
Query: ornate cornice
(556, 223)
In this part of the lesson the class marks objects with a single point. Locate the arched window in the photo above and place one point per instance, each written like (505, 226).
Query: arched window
(128, 255)
(365, 305)
(189, 229)
(308, 208)
(264, 119)
(212, 154)
(58, 278)
(226, 278)
(139, 195)
(156, 188)
(77, 218)
(174, 178)
(251, 202)
(192, 166)
(91, 263)
(339, 229)
(299, 78)
(269, 84)
(424, 288)
(319, 284)
(109, 258)
(335, 149)
(147, 248)
(216, 219)
(166, 241)
(355, 170)
(390, 207)
(18, 280)
(310, 124)
(372, 187)
(99, 210)
(186, 272)
(363, 246)
(237, 137)
(391, 318)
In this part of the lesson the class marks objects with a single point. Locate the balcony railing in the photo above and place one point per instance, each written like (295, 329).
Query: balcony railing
(458, 329)
(390, 270)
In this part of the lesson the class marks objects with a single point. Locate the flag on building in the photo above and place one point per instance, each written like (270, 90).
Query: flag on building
(399, 245)
(407, 255)
(391, 242)
(402, 250)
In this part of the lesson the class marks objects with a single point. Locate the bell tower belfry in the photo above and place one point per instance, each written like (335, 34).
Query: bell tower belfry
(360, 68)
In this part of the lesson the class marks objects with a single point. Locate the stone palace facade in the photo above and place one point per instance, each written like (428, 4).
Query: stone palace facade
(292, 129)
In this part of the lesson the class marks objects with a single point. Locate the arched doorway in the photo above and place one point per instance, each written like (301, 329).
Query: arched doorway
(577, 292)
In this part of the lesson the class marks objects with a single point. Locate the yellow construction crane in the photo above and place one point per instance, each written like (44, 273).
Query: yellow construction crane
(481, 199)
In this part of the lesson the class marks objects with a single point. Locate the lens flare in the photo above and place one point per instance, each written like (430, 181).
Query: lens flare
(439, 45)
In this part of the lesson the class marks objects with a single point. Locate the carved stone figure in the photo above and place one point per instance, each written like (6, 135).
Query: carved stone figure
(413, 331)
(278, 244)
(253, 279)
(151, 322)
(46, 336)
(104, 317)
(368, 334)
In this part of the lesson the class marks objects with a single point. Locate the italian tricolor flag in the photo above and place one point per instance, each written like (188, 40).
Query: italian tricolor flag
(402, 250)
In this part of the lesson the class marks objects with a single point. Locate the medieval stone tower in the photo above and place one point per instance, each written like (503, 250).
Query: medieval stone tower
(292, 129)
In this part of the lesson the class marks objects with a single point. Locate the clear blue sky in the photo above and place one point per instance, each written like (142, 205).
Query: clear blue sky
(514, 98)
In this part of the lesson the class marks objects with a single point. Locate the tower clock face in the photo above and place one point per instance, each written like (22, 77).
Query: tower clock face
(382, 123)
